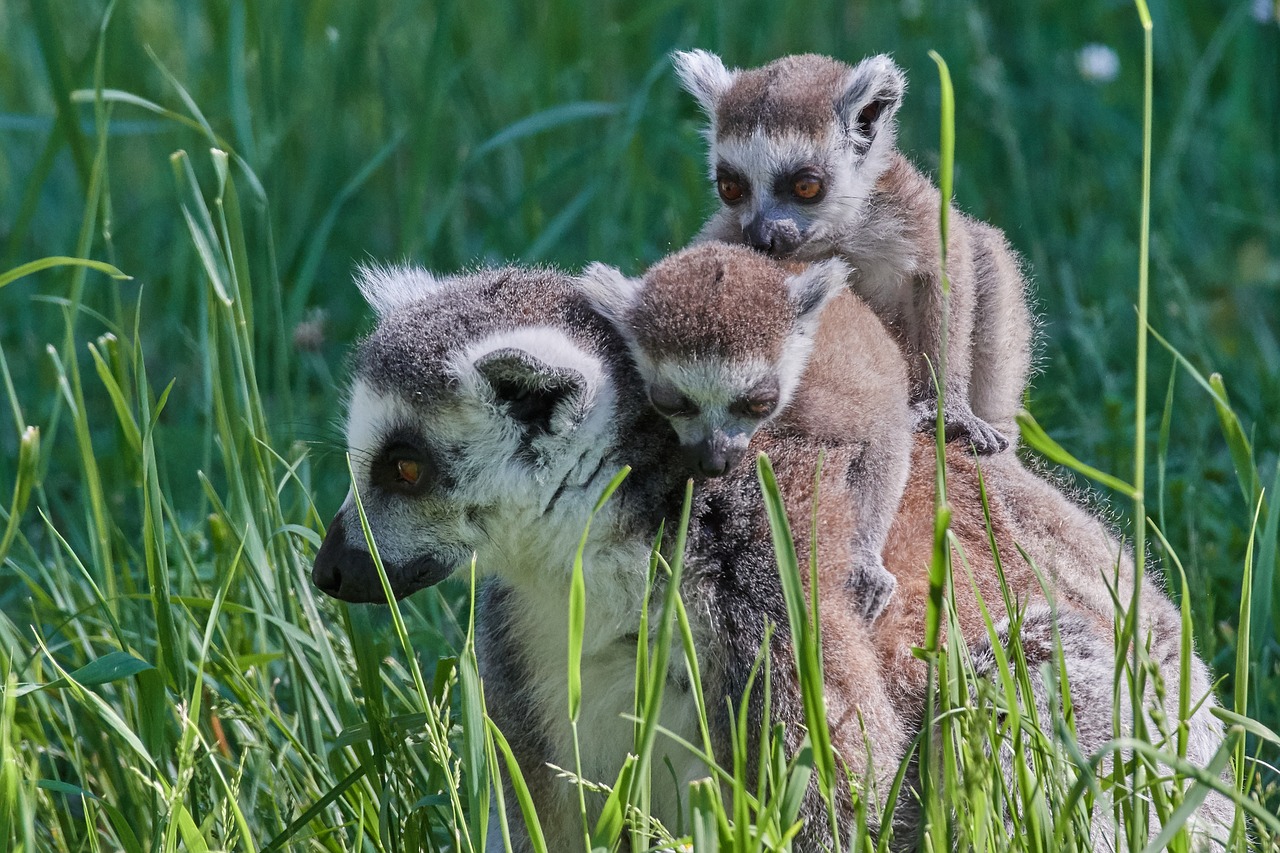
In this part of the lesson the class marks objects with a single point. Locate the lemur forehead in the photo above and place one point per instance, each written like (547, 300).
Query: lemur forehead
(715, 381)
(714, 300)
(410, 351)
(791, 94)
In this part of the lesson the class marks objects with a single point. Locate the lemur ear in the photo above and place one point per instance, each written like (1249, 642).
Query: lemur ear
(609, 291)
(872, 93)
(703, 75)
(811, 290)
(387, 288)
(542, 379)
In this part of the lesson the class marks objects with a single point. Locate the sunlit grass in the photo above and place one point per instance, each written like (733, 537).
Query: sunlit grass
(170, 677)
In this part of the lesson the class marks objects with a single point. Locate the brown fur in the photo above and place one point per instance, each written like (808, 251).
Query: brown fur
(888, 230)
(791, 93)
(691, 306)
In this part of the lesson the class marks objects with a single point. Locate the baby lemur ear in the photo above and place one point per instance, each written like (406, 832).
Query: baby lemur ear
(704, 76)
(872, 93)
(387, 288)
(811, 290)
(609, 291)
(537, 375)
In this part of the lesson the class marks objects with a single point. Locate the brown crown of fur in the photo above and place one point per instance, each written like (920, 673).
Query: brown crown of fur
(794, 93)
(714, 299)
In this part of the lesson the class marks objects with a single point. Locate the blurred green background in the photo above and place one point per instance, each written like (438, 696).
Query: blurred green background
(453, 134)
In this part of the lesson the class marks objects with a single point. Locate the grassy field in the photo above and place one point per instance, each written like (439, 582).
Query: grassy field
(158, 539)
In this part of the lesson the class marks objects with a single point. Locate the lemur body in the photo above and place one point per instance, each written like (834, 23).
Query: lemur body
(727, 342)
(802, 152)
(488, 414)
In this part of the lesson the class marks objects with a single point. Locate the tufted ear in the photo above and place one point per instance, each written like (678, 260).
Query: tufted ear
(704, 76)
(610, 292)
(811, 290)
(872, 93)
(387, 288)
(538, 376)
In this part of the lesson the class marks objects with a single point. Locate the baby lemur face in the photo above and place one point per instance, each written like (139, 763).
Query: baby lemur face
(720, 335)
(796, 145)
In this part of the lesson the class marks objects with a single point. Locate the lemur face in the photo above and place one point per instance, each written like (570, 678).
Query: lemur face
(714, 405)
(797, 145)
(720, 336)
(461, 426)
(787, 193)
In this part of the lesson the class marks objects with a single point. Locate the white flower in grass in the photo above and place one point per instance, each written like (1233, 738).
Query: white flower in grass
(1097, 63)
(1266, 11)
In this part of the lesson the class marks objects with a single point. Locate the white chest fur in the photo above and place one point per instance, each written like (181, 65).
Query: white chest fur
(615, 578)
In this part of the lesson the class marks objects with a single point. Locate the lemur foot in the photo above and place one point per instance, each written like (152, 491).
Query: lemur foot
(961, 425)
(873, 585)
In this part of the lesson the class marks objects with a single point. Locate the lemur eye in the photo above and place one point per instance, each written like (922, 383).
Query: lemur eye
(807, 187)
(403, 467)
(755, 407)
(670, 403)
(408, 471)
(730, 190)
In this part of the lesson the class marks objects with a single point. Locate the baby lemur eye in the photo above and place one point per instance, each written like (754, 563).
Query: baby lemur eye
(730, 190)
(807, 187)
(670, 403)
(761, 406)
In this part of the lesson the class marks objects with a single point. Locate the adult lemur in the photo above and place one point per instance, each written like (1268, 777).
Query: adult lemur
(487, 415)
(803, 158)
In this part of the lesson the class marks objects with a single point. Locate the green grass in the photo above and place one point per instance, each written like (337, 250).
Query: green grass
(157, 539)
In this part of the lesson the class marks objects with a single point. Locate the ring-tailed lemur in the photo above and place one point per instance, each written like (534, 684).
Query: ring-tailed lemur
(487, 415)
(803, 157)
(489, 412)
(727, 340)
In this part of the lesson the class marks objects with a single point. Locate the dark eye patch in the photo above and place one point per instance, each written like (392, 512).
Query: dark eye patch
(404, 465)
(670, 403)
(758, 403)
(784, 185)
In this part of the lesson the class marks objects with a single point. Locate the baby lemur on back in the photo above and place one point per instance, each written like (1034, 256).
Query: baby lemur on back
(802, 152)
(728, 340)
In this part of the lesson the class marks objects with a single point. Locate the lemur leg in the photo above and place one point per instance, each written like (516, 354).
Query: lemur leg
(1003, 330)
(960, 421)
(876, 480)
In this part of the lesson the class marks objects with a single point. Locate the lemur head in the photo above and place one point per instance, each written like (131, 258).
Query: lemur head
(482, 406)
(720, 335)
(797, 145)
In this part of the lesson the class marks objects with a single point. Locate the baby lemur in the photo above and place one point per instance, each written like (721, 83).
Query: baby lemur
(803, 157)
(727, 340)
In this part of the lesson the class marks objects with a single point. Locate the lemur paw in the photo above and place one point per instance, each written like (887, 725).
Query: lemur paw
(961, 425)
(873, 585)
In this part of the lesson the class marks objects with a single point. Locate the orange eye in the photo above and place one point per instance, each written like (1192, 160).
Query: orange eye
(807, 187)
(730, 190)
(408, 471)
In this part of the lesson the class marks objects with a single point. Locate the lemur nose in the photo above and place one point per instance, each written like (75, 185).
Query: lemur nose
(713, 467)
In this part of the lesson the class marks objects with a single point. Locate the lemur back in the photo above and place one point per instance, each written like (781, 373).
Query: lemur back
(803, 156)
(728, 341)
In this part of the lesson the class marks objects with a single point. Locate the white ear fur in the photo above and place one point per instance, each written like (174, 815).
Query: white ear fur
(609, 291)
(539, 359)
(872, 93)
(811, 290)
(703, 75)
(387, 288)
